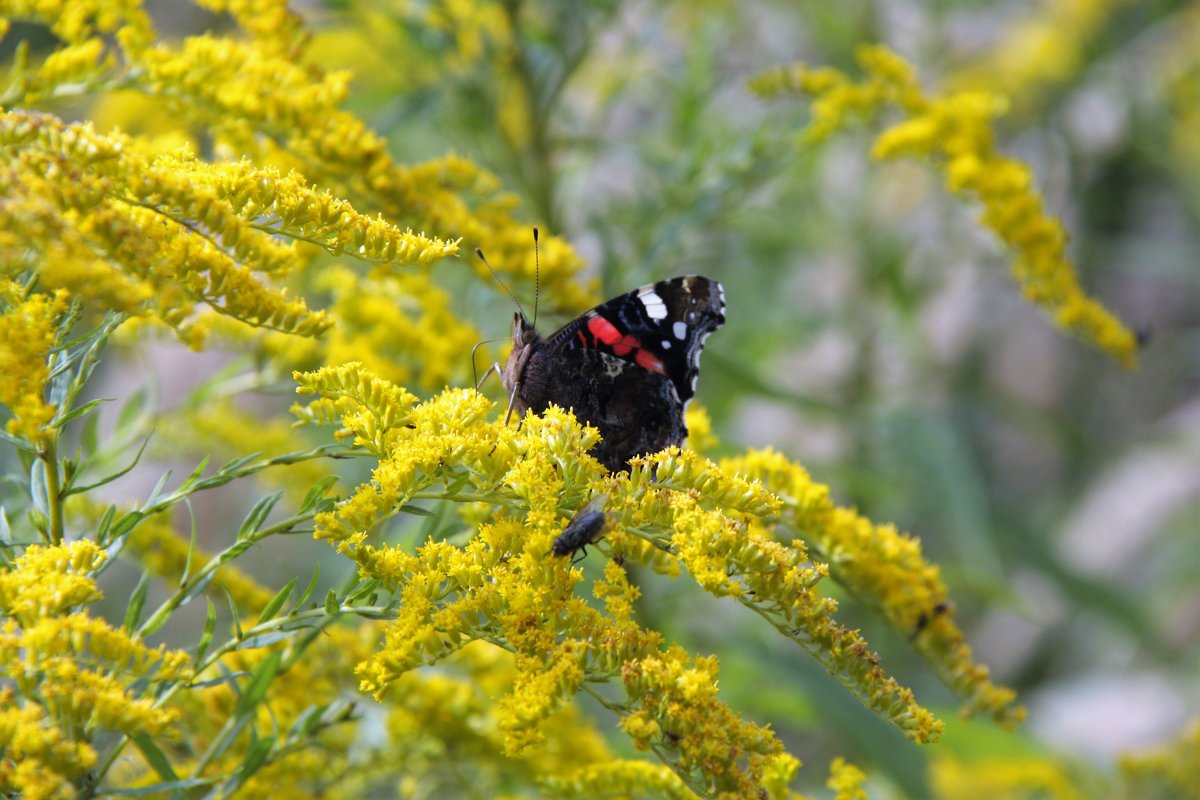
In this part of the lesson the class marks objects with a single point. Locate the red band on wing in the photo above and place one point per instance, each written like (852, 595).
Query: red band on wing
(622, 344)
(648, 360)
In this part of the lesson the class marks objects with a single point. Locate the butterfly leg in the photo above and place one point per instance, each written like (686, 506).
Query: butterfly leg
(495, 367)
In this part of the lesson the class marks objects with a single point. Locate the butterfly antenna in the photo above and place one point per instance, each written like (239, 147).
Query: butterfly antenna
(537, 275)
(504, 285)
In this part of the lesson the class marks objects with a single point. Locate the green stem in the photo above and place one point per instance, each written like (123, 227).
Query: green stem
(48, 455)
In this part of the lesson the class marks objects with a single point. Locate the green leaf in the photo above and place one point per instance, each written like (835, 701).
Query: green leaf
(20, 444)
(158, 488)
(37, 487)
(317, 493)
(416, 511)
(191, 553)
(78, 411)
(103, 526)
(195, 476)
(332, 607)
(264, 639)
(160, 789)
(113, 476)
(312, 585)
(233, 610)
(364, 589)
(125, 524)
(137, 601)
(277, 601)
(256, 688)
(206, 636)
(155, 757)
(258, 514)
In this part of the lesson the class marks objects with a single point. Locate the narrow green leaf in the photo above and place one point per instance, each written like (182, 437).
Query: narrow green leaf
(277, 601)
(258, 514)
(364, 589)
(206, 636)
(78, 411)
(6, 539)
(103, 526)
(312, 585)
(137, 601)
(160, 789)
(256, 756)
(416, 511)
(233, 610)
(158, 488)
(332, 607)
(187, 563)
(155, 757)
(125, 524)
(265, 639)
(37, 487)
(113, 476)
(20, 444)
(317, 493)
(195, 476)
(256, 688)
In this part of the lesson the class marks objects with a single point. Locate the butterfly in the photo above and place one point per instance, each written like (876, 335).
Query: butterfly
(627, 367)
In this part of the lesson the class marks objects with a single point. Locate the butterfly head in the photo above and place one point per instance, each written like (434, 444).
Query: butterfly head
(524, 336)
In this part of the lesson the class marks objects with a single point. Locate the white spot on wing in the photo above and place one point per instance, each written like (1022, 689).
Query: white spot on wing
(680, 328)
(655, 307)
(666, 344)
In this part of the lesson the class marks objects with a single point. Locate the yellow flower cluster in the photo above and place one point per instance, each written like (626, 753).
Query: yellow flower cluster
(884, 569)
(1172, 770)
(955, 129)
(671, 511)
(170, 231)
(846, 780)
(70, 674)
(27, 334)
(270, 22)
(402, 327)
(1013, 777)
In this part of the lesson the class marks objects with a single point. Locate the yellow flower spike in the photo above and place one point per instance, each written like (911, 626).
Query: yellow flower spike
(954, 130)
(884, 569)
(46, 759)
(846, 780)
(27, 334)
(49, 581)
(619, 778)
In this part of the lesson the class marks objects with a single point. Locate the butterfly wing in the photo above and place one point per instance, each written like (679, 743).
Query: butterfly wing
(660, 327)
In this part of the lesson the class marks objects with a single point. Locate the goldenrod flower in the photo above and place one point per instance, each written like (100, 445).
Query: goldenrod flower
(673, 511)
(73, 674)
(1172, 770)
(955, 130)
(1001, 777)
(28, 331)
(170, 231)
(846, 780)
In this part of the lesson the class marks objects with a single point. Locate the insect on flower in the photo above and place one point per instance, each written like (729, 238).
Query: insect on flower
(586, 527)
(629, 366)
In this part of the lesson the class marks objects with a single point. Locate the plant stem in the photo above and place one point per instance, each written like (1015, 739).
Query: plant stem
(48, 454)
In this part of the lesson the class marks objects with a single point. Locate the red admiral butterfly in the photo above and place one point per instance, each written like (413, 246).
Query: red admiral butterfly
(628, 367)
